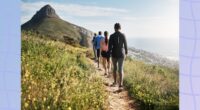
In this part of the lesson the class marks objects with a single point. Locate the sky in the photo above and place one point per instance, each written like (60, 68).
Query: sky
(138, 18)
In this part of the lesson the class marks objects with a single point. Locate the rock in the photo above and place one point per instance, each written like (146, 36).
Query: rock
(46, 11)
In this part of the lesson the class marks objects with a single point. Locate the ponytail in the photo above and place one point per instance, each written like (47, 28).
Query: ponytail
(106, 37)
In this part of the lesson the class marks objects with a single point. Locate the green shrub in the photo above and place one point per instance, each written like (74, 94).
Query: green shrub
(151, 84)
(56, 76)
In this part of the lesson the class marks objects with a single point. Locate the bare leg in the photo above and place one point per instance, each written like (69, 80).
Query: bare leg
(106, 70)
(95, 55)
(115, 77)
(104, 65)
(108, 65)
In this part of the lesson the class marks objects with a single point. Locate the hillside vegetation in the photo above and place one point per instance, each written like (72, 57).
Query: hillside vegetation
(55, 29)
(155, 86)
(56, 76)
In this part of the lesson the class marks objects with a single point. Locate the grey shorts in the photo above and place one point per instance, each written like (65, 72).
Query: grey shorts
(118, 63)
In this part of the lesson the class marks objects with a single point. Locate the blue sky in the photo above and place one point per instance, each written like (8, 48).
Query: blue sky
(139, 18)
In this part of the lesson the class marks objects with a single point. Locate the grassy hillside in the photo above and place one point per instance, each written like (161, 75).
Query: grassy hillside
(58, 28)
(56, 76)
(59, 76)
(54, 28)
(155, 86)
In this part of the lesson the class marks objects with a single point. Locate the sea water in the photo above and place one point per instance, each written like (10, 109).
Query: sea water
(167, 47)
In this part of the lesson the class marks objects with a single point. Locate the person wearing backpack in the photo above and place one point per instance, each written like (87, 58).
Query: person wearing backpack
(118, 49)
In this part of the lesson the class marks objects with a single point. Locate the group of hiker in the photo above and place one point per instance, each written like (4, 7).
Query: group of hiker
(114, 48)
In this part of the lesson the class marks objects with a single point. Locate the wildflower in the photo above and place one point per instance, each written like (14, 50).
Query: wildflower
(29, 97)
(34, 99)
(26, 104)
(53, 85)
(44, 99)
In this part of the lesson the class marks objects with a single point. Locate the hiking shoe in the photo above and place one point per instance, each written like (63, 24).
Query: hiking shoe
(121, 87)
(108, 76)
(100, 69)
(113, 84)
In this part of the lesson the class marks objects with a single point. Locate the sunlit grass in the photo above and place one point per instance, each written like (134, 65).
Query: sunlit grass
(57, 76)
(152, 85)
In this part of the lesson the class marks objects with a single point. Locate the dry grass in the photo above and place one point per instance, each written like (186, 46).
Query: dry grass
(56, 76)
(152, 85)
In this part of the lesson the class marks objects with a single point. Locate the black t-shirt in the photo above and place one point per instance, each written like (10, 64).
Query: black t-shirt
(118, 45)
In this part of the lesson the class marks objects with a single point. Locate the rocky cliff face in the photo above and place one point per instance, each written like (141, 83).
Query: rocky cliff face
(47, 22)
(46, 11)
(84, 32)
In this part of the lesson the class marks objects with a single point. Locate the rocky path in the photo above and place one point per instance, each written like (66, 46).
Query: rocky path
(117, 100)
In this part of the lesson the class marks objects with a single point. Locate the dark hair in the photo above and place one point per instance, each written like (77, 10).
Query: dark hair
(106, 37)
(117, 26)
(99, 32)
(95, 34)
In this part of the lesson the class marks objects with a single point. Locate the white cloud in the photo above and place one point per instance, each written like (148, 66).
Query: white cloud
(131, 18)
(160, 27)
(70, 9)
(165, 25)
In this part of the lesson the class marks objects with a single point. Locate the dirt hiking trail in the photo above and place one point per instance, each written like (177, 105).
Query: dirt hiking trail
(116, 100)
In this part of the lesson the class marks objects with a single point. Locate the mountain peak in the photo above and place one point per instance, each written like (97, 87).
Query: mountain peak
(47, 6)
(44, 12)
(46, 22)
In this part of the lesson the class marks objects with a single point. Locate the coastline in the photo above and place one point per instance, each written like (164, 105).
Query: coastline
(153, 58)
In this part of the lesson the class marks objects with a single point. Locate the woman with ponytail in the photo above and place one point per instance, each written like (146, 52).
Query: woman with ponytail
(105, 53)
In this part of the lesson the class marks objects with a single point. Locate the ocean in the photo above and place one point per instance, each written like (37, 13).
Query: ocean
(167, 47)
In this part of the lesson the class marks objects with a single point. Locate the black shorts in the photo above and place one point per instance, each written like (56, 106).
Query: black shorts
(98, 53)
(105, 54)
